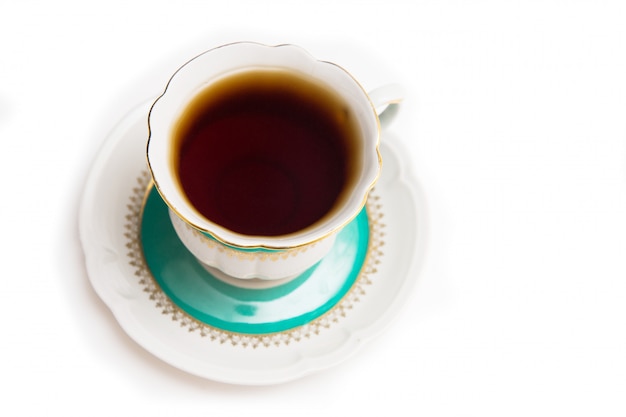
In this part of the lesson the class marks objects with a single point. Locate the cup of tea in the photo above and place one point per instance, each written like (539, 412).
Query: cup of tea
(262, 154)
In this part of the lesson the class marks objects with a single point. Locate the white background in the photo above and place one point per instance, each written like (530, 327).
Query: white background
(515, 118)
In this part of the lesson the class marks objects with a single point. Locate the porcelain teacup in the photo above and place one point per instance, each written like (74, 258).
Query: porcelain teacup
(255, 184)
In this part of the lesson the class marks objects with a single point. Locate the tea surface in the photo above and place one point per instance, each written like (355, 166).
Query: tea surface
(265, 152)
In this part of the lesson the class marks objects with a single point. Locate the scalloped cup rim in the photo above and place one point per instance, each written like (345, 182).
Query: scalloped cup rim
(182, 86)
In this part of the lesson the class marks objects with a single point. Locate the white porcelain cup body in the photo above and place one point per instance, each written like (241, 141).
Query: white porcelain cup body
(245, 256)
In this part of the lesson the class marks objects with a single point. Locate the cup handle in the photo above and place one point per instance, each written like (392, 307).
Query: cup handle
(386, 100)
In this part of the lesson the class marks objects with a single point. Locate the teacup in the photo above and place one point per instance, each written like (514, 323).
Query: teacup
(263, 154)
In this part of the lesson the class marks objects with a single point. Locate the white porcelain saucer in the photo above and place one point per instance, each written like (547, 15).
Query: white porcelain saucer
(111, 206)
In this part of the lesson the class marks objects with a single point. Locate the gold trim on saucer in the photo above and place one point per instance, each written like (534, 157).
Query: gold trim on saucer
(164, 303)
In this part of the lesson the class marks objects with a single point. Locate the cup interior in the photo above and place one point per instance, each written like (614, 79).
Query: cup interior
(277, 176)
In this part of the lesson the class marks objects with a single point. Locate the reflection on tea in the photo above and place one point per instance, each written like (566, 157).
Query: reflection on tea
(265, 152)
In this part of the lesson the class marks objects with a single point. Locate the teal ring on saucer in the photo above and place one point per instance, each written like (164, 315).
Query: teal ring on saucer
(230, 308)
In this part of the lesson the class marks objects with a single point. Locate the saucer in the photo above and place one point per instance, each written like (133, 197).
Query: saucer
(199, 322)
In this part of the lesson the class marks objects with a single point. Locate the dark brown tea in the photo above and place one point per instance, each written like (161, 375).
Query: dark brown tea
(265, 152)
